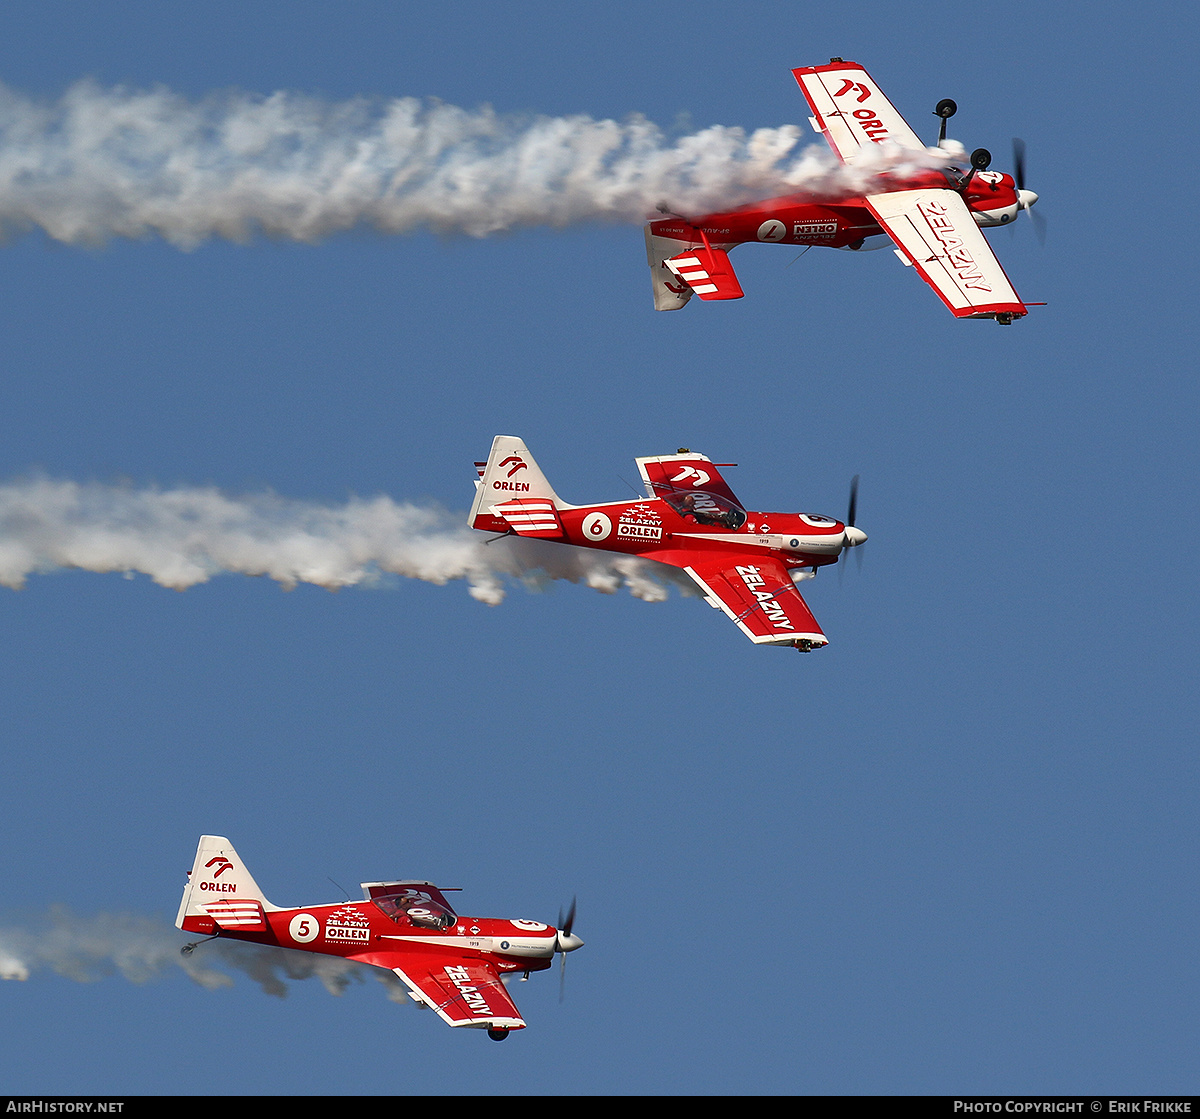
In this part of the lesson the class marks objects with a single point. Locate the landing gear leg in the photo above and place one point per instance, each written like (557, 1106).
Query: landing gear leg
(188, 949)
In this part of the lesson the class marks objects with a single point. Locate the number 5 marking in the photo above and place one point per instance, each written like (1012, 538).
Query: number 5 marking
(303, 928)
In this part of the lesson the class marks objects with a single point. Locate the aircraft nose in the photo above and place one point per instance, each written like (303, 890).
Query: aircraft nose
(568, 942)
(854, 537)
(1026, 198)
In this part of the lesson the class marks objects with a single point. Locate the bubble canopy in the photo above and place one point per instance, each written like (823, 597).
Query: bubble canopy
(705, 508)
(416, 907)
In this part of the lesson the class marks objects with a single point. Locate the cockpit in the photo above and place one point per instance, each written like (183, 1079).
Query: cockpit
(414, 907)
(704, 508)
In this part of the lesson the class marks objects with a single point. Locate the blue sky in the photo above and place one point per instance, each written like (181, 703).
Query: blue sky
(952, 852)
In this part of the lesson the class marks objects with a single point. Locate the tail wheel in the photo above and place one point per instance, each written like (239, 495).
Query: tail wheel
(497, 1035)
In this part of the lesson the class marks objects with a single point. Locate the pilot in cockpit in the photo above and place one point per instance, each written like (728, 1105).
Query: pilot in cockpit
(705, 510)
(417, 910)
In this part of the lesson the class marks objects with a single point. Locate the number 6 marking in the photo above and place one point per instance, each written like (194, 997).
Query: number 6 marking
(596, 526)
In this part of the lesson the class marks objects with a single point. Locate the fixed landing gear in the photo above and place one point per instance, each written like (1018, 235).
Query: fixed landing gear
(945, 109)
(497, 1035)
(188, 949)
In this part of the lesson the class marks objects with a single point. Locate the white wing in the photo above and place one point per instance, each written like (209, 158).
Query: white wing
(938, 236)
(851, 111)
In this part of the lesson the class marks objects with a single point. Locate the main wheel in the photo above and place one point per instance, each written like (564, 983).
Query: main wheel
(945, 108)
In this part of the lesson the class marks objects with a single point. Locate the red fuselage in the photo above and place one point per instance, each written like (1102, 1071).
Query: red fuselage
(654, 528)
(802, 219)
(361, 931)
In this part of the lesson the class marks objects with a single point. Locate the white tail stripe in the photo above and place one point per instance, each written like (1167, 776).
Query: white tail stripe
(530, 516)
(541, 514)
(231, 914)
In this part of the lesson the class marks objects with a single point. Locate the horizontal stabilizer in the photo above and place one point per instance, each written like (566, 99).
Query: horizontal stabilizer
(707, 272)
(531, 516)
(242, 915)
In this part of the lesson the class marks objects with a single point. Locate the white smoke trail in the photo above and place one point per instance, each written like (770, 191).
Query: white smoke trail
(101, 163)
(141, 949)
(181, 537)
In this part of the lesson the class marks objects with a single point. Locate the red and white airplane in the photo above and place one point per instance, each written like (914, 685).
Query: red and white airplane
(932, 217)
(747, 564)
(454, 965)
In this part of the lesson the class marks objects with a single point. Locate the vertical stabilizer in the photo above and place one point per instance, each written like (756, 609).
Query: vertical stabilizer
(512, 483)
(670, 292)
(218, 876)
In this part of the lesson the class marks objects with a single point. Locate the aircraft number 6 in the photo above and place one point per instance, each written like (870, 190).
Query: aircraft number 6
(596, 526)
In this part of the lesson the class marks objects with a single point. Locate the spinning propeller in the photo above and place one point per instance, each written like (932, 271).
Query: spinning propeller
(854, 536)
(565, 942)
(1026, 198)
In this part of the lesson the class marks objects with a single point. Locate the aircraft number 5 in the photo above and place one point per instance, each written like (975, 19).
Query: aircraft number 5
(303, 928)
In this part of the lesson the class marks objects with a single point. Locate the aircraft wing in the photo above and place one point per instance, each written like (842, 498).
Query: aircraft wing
(850, 110)
(758, 594)
(463, 990)
(665, 475)
(707, 272)
(938, 236)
